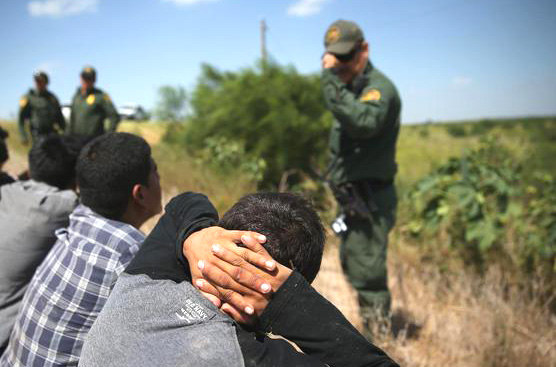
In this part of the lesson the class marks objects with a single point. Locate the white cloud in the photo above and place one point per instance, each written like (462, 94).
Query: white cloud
(461, 80)
(189, 2)
(304, 8)
(61, 8)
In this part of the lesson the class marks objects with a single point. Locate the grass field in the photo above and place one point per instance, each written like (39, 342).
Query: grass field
(462, 319)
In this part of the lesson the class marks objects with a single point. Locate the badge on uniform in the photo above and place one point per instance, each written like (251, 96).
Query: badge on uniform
(371, 95)
(333, 35)
(91, 99)
(106, 97)
(23, 102)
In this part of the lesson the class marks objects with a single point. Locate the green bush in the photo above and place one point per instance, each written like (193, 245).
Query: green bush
(271, 113)
(457, 131)
(485, 209)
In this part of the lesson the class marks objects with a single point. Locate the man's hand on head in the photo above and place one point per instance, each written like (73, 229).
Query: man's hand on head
(232, 273)
(329, 61)
(243, 278)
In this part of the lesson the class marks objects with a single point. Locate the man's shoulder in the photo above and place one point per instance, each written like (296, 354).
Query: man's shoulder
(178, 319)
(44, 197)
(98, 92)
(379, 81)
(114, 236)
(52, 97)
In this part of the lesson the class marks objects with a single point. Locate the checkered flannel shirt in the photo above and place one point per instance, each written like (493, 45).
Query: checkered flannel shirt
(69, 290)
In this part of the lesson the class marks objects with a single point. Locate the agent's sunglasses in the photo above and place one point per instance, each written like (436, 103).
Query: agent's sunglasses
(349, 56)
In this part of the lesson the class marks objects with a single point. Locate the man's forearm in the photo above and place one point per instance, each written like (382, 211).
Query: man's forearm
(300, 314)
(360, 119)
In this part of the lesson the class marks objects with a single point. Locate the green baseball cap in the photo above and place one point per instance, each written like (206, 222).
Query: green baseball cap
(39, 74)
(342, 36)
(88, 73)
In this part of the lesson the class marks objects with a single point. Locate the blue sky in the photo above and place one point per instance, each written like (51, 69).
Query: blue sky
(451, 59)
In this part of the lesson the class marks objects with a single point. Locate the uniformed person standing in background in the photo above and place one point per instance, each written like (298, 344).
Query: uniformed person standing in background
(90, 107)
(366, 107)
(42, 109)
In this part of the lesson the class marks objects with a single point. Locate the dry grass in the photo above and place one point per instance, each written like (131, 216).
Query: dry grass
(463, 320)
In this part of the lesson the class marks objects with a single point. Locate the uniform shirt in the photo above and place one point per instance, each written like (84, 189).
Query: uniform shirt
(69, 289)
(88, 112)
(365, 130)
(30, 212)
(43, 110)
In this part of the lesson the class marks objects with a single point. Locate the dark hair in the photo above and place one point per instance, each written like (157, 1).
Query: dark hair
(52, 160)
(295, 236)
(108, 168)
(4, 154)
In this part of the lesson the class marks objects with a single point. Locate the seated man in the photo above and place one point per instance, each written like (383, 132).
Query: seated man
(30, 212)
(120, 190)
(154, 316)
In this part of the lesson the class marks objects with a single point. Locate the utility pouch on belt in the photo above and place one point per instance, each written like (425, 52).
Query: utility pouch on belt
(356, 200)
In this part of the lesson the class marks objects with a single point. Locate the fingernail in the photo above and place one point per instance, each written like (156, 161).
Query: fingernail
(269, 264)
(262, 238)
(265, 287)
(201, 264)
(215, 248)
(249, 310)
(199, 283)
(244, 238)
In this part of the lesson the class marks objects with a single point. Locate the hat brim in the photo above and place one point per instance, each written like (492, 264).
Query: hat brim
(88, 76)
(341, 48)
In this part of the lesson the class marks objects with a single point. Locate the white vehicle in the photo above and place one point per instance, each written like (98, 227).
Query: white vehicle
(132, 111)
(127, 112)
(66, 111)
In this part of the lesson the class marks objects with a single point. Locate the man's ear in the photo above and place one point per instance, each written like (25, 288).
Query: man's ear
(138, 195)
(366, 50)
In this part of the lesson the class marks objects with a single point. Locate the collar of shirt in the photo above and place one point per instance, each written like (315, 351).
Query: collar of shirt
(84, 222)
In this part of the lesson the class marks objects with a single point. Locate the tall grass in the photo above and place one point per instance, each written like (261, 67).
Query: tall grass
(466, 320)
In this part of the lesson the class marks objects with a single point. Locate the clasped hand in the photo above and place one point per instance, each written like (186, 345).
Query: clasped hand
(239, 280)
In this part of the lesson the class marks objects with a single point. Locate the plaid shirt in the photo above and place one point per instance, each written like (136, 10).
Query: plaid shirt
(69, 289)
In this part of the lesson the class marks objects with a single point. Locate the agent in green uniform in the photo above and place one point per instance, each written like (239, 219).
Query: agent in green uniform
(366, 107)
(41, 108)
(91, 107)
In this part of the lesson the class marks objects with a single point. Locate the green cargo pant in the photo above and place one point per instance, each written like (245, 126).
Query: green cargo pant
(363, 252)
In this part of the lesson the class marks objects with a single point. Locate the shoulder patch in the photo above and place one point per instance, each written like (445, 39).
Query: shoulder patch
(371, 95)
(91, 99)
(23, 102)
(107, 97)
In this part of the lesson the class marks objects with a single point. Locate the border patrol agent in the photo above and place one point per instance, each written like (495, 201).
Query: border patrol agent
(91, 107)
(42, 109)
(366, 107)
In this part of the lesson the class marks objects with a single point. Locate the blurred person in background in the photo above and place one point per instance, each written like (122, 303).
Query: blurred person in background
(366, 108)
(90, 108)
(30, 212)
(41, 108)
(4, 156)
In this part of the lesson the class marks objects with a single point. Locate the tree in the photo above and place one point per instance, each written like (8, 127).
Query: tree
(273, 112)
(172, 103)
